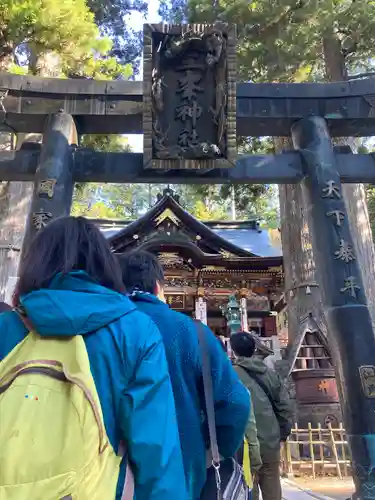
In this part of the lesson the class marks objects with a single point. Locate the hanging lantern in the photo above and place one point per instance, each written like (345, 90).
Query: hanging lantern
(232, 314)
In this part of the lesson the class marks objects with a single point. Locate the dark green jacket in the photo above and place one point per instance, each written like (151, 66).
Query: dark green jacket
(272, 426)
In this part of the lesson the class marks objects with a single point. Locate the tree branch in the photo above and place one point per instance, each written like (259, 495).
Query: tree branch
(274, 25)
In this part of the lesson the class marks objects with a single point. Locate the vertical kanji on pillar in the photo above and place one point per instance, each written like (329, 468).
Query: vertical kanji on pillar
(53, 185)
(350, 329)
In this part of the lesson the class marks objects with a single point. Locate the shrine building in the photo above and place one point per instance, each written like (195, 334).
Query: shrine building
(206, 263)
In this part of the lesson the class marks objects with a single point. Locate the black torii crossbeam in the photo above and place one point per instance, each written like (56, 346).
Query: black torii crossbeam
(94, 166)
(264, 109)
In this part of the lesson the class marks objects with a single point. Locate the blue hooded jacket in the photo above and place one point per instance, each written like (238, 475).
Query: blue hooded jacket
(231, 398)
(129, 368)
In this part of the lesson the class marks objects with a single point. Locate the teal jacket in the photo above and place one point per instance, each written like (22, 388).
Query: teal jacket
(129, 368)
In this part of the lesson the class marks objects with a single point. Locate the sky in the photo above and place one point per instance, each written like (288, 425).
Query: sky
(136, 20)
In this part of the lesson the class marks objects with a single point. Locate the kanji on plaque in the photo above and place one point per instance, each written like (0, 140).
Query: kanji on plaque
(338, 215)
(176, 301)
(188, 85)
(47, 187)
(367, 374)
(331, 190)
(351, 287)
(323, 386)
(190, 111)
(345, 252)
(40, 219)
(188, 138)
(190, 96)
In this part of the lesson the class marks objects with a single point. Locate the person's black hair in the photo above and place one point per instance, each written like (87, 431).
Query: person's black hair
(64, 245)
(141, 270)
(242, 344)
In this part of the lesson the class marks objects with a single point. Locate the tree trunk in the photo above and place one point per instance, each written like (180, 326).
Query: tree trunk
(15, 200)
(354, 194)
(302, 295)
(14, 205)
(233, 204)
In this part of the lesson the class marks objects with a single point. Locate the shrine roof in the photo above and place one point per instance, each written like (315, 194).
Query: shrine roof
(258, 243)
(167, 225)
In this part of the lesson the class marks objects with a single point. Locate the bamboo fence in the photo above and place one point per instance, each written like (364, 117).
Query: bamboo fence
(316, 452)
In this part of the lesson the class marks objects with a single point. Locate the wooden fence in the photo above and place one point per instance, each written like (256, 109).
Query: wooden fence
(317, 451)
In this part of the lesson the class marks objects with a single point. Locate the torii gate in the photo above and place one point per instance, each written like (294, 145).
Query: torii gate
(190, 111)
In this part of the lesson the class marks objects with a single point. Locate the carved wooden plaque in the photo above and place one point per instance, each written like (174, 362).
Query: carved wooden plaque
(176, 301)
(189, 116)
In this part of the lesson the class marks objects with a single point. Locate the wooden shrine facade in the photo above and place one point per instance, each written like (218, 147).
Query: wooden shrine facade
(203, 267)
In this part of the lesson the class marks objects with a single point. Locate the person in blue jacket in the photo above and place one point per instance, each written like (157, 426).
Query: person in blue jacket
(144, 278)
(70, 284)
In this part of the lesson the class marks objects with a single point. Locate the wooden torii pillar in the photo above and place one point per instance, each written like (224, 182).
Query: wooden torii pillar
(53, 184)
(348, 317)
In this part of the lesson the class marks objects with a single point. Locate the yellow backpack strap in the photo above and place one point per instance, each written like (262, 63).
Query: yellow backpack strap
(246, 464)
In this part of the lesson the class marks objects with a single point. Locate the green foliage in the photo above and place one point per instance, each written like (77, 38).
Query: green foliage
(105, 143)
(111, 16)
(251, 199)
(15, 69)
(281, 40)
(106, 201)
(65, 29)
(114, 201)
(370, 195)
(173, 11)
(204, 212)
(215, 202)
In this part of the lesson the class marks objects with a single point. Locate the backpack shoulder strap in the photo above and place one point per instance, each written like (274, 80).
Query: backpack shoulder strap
(208, 393)
(263, 386)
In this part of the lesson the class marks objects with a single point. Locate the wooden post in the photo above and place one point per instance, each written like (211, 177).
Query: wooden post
(321, 449)
(53, 185)
(311, 449)
(334, 450)
(201, 306)
(243, 309)
(350, 329)
(289, 458)
(343, 445)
